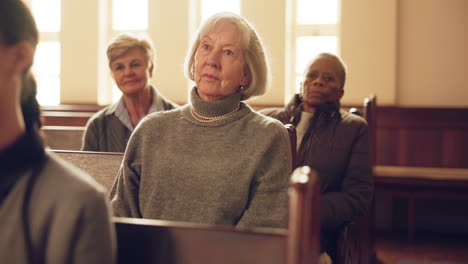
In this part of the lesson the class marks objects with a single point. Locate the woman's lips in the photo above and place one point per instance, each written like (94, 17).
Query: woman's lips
(131, 81)
(210, 76)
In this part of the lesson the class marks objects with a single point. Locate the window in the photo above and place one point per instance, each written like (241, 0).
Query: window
(315, 30)
(47, 58)
(210, 7)
(127, 16)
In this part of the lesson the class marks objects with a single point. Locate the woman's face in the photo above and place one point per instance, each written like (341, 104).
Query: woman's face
(7, 61)
(130, 72)
(322, 83)
(219, 63)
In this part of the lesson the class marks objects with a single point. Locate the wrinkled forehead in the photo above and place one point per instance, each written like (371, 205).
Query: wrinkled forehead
(225, 27)
(325, 64)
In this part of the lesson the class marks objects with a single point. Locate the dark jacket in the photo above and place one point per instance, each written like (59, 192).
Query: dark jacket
(336, 145)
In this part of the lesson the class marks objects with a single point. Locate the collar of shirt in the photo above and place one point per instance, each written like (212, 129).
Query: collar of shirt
(118, 108)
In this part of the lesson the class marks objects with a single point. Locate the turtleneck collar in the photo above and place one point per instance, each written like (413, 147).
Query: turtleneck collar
(216, 108)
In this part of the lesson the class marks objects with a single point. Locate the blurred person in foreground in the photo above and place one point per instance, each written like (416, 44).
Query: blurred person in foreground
(131, 62)
(51, 212)
(214, 160)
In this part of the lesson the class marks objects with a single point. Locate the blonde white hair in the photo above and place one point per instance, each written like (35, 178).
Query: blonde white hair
(256, 61)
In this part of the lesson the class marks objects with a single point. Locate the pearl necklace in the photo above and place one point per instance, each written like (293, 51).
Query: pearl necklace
(209, 119)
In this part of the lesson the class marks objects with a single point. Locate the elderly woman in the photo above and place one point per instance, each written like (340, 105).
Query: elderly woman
(333, 142)
(51, 212)
(215, 160)
(131, 65)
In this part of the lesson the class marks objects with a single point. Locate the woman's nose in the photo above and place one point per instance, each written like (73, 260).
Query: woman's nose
(213, 59)
(319, 81)
(128, 71)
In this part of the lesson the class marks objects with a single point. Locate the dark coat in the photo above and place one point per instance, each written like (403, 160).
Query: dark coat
(336, 145)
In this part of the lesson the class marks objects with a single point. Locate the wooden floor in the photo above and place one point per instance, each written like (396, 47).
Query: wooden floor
(427, 249)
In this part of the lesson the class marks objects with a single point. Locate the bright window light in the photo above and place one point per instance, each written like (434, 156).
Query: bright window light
(210, 7)
(46, 69)
(116, 93)
(130, 15)
(308, 47)
(47, 14)
(317, 12)
(47, 58)
(48, 90)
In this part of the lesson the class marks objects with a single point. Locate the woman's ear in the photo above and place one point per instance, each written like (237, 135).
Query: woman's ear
(151, 70)
(23, 56)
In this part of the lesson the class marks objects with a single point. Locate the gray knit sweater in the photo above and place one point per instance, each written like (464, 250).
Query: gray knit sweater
(234, 171)
(69, 218)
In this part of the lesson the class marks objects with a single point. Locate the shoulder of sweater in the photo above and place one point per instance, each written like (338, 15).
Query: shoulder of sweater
(159, 117)
(266, 122)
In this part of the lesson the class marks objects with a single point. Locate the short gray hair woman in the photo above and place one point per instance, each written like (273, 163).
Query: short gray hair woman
(257, 64)
(214, 160)
(131, 62)
(122, 43)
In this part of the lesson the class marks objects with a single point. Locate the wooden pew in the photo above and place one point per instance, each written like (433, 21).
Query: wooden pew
(102, 166)
(64, 137)
(60, 118)
(293, 141)
(414, 183)
(153, 241)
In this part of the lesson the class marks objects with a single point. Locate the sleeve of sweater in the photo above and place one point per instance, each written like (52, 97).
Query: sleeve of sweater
(354, 199)
(125, 190)
(268, 202)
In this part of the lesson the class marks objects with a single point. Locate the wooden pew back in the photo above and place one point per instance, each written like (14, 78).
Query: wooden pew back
(153, 241)
(293, 141)
(102, 166)
(64, 137)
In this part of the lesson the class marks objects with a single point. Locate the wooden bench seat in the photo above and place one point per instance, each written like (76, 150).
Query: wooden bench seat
(414, 183)
(153, 241)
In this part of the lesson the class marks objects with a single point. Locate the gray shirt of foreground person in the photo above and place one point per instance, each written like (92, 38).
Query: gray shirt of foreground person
(69, 218)
(234, 171)
(109, 129)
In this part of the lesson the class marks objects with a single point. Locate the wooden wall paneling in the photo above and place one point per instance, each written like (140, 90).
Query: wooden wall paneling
(402, 144)
(451, 148)
(386, 148)
(424, 148)
(464, 149)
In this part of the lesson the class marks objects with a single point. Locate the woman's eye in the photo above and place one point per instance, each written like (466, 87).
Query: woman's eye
(118, 68)
(229, 52)
(205, 46)
(312, 76)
